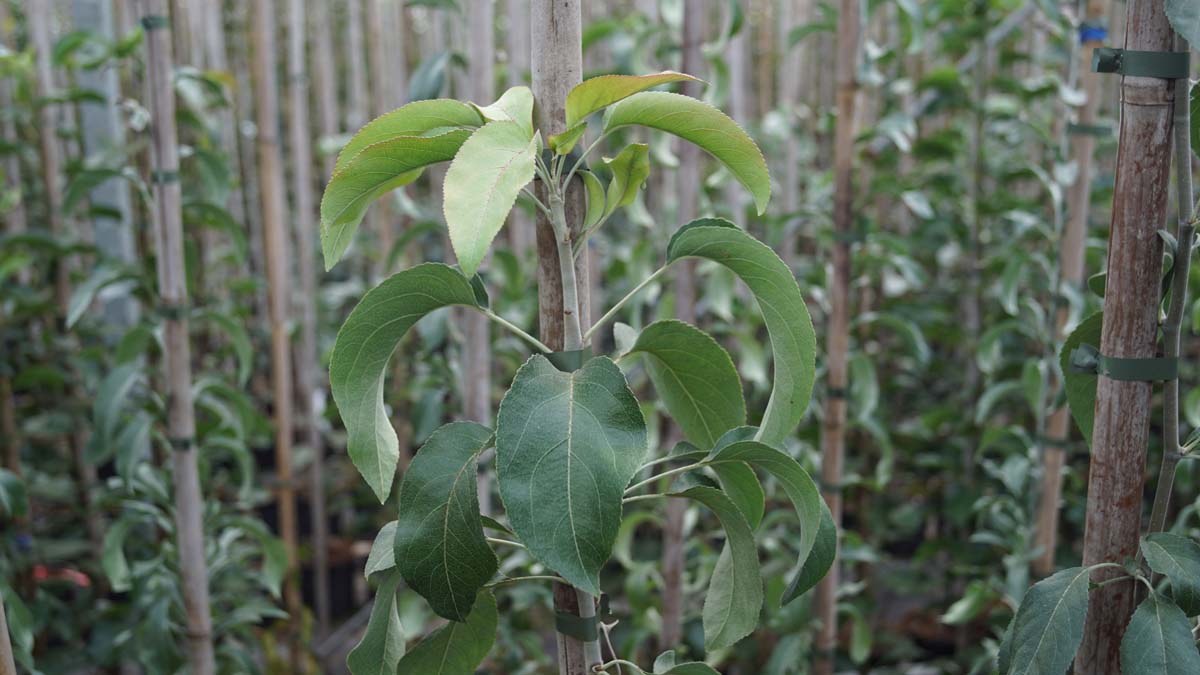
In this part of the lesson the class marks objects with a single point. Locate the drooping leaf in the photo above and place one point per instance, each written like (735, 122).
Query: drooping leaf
(373, 172)
(1048, 627)
(112, 560)
(382, 645)
(13, 500)
(383, 551)
(735, 592)
(1081, 387)
(360, 355)
(739, 482)
(514, 105)
(597, 93)
(699, 123)
(596, 200)
(482, 185)
(1159, 640)
(1184, 16)
(107, 408)
(1177, 558)
(567, 444)
(695, 378)
(239, 341)
(440, 547)
(132, 445)
(793, 341)
(456, 648)
(432, 117)
(630, 168)
(83, 294)
(820, 559)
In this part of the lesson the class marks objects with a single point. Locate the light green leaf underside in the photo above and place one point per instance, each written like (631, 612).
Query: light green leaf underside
(383, 551)
(1159, 640)
(1184, 16)
(695, 378)
(567, 444)
(440, 547)
(793, 341)
(1081, 387)
(481, 186)
(703, 125)
(630, 168)
(364, 344)
(514, 105)
(595, 198)
(382, 644)
(1048, 627)
(1177, 558)
(419, 118)
(456, 648)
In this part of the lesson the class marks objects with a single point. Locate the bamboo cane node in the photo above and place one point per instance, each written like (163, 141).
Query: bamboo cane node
(155, 22)
(1164, 65)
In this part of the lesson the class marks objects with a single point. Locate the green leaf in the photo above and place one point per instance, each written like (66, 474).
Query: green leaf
(793, 341)
(1184, 16)
(735, 592)
(630, 168)
(1081, 387)
(699, 123)
(383, 551)
(14, 503)
(482, 185)
(1048, 627)
(820, 558)
(239, 341)
(567, 444)
(695, 378)
(83, 294)
(740, 483)
(1177, 558)
(433, 117)
(110, 399)
(376, 170)
(360, 355)
(440, 547)
(382, 645)
(597, 93)
(113, 560)
(514, 105)
(665, 665)
(456, 648)
(1159, 640)
(596, 203)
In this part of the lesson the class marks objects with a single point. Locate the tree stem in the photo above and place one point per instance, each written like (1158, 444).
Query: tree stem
(622, 302)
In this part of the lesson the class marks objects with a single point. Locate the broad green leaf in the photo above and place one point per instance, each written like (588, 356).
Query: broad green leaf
(440, 547)
(116, 566)
(275, 557)
(739, 482)
(703, 125)
(110, 400)
(239, 341)
(597, 93)
(1081, 387)
(376, 170)
(565, 142)
(13, 500)
(665, 664)
(382, 645)
(360, 355)
(594, 191)
(735, 592)
(820, 559)
(793, 341)
(1048, 627)
(1159, 640)
(132, 445)
(1184, 16)
(456, 648)
(383, 551)
(1177, 558)
(514, 105)
(83, 294)
(630, 168)
(567, 444)
(695, 378)
(419, 118)
(482, 185)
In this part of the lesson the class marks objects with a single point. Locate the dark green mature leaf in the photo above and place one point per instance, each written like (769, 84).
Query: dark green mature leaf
(820, 559)
(740, 483)
(456, 648)
(1081, 387)
(1184, 16)
(383, 551)
(373, 172)
(13, 500)
(703, 125)
(695, 378)
(665, 665)
(1048, 627)
(360, 355)
(793, 341)
(84, 293)
(482, 185)
(1159, 640)
(1177, 558)
(440, 547)
(112, 557)
(433, 117)
(110, 400)
(382, 645)
(567, 444)
(239, 341)
(735, 592)
(630, 168)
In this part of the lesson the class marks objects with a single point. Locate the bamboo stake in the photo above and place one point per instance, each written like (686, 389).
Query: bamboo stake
(275, 244)
(324, 80)
(789, 100)
(38, 16)
(520, 225)
(172, 283)
(357, 106)
(1121, 430)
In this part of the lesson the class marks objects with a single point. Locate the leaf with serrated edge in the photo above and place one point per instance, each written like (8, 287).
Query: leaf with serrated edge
(382, 644)
(789, 327)
(703, 125)
(1048, 627)
(383, 551)
(630, 168)
(567, 444)
(597, 93)
(514, 105)
(819, 560)
(360, 355)
(456, 648)
(482, 185)
(440, 547)
(419, 118)
(1184, 16)
(1159, 640)
(1177, 558)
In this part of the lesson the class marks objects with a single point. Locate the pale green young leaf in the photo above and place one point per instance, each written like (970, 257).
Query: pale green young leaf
(456, 648)
(1159, 640)
(1081, 387)
(482, 185)
(596, 93)
(440, 547)
(565, 142)
(360, 355)
(383, 551)
(382, 645)
(514, 105)
(1048, 626)
(1177, 558)
(567, 444)
(630, 168)
(789, 327)
(595, 198)
(735, 592)
(1184, 16)
(820, 558)
(433, 117)
(703, 125)
(376, 170)
(695, 378)
(85, 292)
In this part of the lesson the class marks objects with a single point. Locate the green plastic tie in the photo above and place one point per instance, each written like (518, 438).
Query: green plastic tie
(584, 630)
(568, 362)
(163, 177)
(1097, 130)
(172, 311)
(1165, 65)
(155, 22)
(1087, 359)
(181, 444)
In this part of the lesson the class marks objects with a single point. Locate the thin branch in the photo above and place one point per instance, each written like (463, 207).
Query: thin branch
(505, 542)
(672, 472)
(622, 302)
(514, 329)
(512, 580)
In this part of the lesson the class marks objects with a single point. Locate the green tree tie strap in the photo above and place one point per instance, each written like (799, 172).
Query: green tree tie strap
(155, 22)
(164, 177)
(584, 630)
(1087, 359)
(1166, 65)
(172, 311)
(1097, 130)
(838, 392)
(568, 362)
(181, 444)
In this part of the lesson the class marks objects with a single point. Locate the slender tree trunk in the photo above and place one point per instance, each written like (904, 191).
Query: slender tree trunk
(324, 77)
(244, 111)
(833, 433)
(1071, 272)
(1121, 430)
(8, 665)
(275, 245)
(172, 288)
